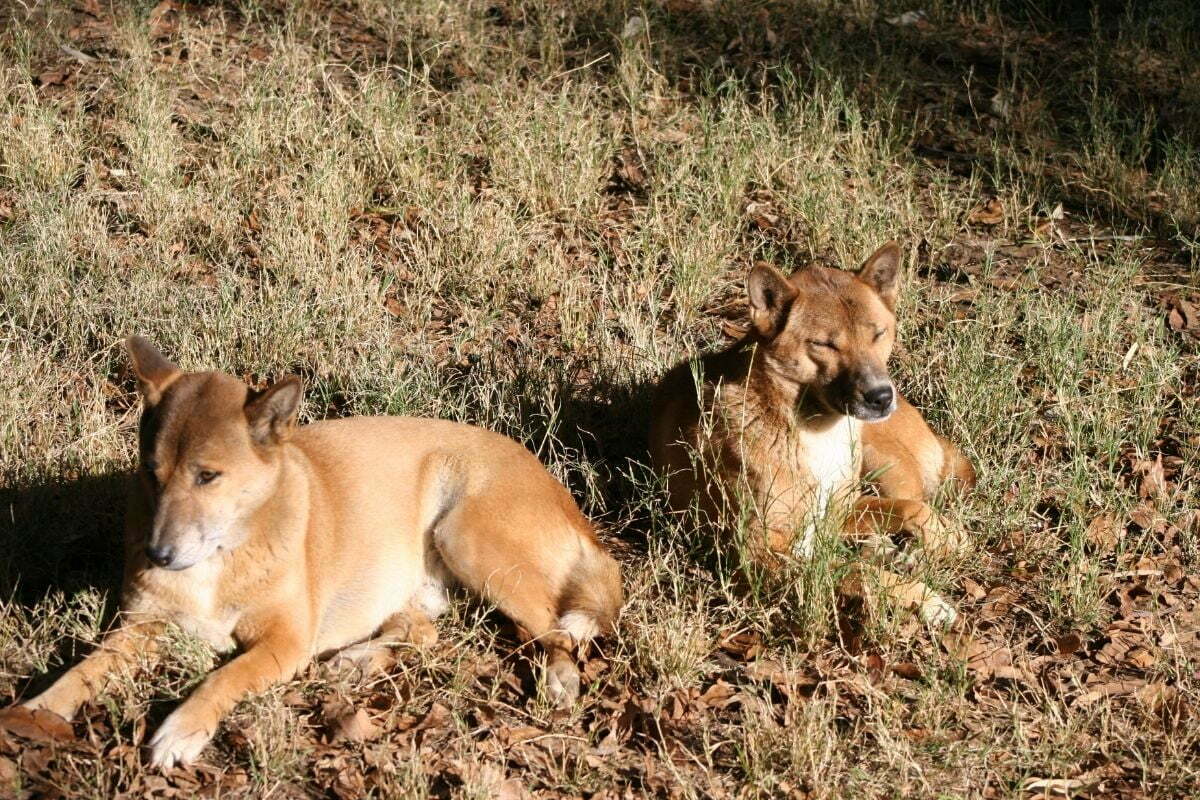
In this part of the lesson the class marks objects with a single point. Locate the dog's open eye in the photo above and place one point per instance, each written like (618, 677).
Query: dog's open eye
(823, 343)
(206, 476)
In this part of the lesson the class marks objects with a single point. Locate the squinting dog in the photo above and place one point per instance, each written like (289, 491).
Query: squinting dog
(297, 541)
(778, 430)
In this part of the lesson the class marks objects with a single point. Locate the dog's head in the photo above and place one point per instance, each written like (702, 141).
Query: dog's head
(209, 448)
(829, 332)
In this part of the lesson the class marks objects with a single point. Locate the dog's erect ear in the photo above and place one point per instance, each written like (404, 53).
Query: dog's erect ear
(882, 273)
(771, 295)
(271, 413)
(154, 372)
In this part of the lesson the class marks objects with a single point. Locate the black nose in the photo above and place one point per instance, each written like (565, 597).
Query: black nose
(160, 555)
(879, 398)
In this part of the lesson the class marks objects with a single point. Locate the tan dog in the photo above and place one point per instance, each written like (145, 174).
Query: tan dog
(783, 424)
(297, 541)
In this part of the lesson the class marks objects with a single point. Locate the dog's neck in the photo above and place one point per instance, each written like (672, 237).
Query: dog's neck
(279, 522)
(786, 401)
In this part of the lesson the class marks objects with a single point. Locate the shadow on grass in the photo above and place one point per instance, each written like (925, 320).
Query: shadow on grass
(973, 92)
(62, 536)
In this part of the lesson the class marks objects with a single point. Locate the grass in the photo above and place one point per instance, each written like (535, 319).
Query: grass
(520, 215)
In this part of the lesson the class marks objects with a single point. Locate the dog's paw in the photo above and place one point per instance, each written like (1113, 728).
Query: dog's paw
(363, 659)
(562, 683)
(422, 633)
(63, 698)
(942, 539)
(180, 739)
(937, 612)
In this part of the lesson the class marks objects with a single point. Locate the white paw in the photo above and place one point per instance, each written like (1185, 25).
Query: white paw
(937, 612)
(179, 740)
(562, 684)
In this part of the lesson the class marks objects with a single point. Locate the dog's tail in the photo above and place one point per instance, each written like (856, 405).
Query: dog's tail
(592, 597)
(956, 466)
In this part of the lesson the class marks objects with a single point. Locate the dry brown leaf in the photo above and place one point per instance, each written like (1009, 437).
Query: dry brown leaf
(40, 725)
(990, 213)
(511, 789)
(164, 19)
(1103, 533)
(438, 717)
(52, 77)
(1120, 643)
(1052, 787)
(1183, 316)
(1102, 691)
(719, 695)
(510, 735)
(1068, 644)
(998, 603)
(353, 726)
(973, 589)
(1154, 482)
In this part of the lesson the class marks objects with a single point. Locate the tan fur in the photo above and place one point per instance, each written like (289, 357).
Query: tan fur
(312, 539)
(773, 432)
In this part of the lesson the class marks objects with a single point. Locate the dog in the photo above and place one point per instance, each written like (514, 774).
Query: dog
(778, 430)
(339, 537)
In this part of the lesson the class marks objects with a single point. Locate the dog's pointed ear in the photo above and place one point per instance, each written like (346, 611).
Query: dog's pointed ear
(271, 413)
(154, 372)
(771, 296)
(882, 273)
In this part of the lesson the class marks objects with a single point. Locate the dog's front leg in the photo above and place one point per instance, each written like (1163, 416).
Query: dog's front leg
(879, 515)
(119, 649)
(275, 657)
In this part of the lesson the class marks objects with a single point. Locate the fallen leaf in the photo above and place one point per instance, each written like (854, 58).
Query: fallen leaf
(1183, 316)
(1103, 533)
(40, 725)
(1052, 787)
(973, 589)
(1102, 691)
(990, 213)
(353, 726)
(1154, 483)
(997, 604)
(53, 77)
(719, 695)
(164, 19)
(1068, 644)
(438, 717)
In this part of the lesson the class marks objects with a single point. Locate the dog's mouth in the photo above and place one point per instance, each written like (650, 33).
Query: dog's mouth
(868, 414)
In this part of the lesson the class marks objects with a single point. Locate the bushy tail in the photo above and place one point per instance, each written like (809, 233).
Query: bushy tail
(593, 596)
(956, 466)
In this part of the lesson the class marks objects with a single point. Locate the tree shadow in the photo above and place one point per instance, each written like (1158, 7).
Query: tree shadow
(975, 94)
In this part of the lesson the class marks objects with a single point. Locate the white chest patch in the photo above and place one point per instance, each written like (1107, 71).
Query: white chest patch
(831, 458)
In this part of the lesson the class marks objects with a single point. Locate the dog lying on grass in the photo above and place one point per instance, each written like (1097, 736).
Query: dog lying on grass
(339, 537)
(780, 428)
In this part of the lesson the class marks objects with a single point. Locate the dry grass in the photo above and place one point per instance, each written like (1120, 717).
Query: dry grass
(519, 215)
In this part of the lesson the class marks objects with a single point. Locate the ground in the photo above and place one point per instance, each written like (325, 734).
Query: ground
(520, 215)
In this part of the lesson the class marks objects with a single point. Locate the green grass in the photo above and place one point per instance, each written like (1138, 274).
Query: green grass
(514, 215)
